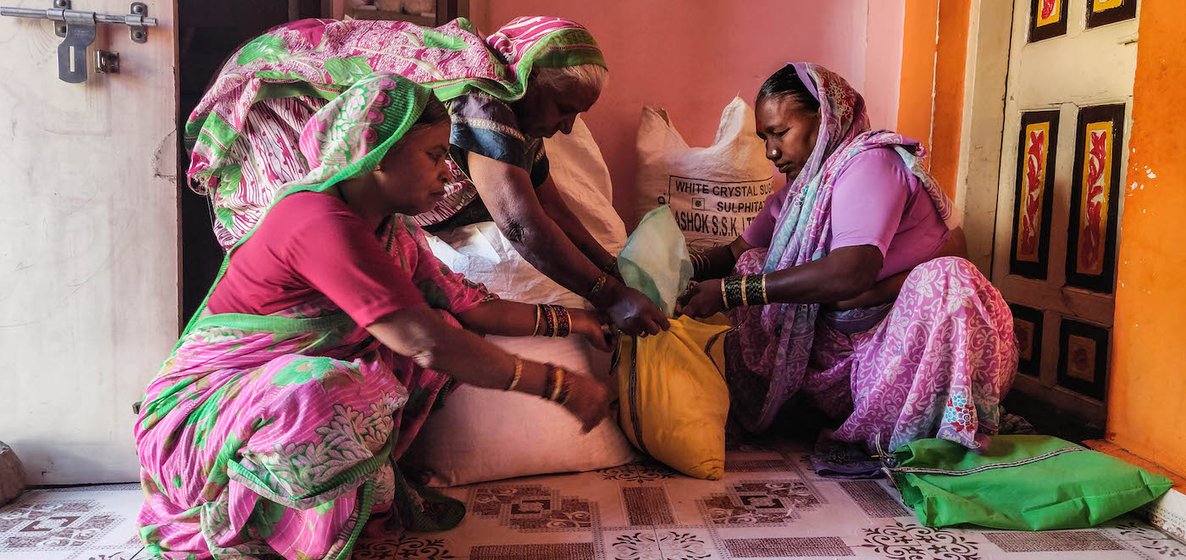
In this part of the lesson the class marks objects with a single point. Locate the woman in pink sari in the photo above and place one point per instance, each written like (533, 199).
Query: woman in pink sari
(845, 289)
(275, 426)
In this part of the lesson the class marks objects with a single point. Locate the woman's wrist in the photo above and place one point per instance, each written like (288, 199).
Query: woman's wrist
(548, 381)
(551, 320)
(603, 291)
(610, 267)
(532, 377)
(740, 291)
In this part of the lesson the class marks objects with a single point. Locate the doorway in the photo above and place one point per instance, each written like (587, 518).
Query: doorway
(1049, 110)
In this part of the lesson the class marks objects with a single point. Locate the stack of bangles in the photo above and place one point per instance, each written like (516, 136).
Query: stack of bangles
(552, 320)
(557, 386)
(699, 261)
(737, 291)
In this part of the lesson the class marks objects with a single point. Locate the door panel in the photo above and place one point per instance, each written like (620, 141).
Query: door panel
(88, 238)
(1061, 87)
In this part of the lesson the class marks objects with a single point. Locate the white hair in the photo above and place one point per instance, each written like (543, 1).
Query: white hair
(588, 77)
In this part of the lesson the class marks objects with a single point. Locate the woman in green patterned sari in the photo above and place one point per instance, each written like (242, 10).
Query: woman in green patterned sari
(274, 427)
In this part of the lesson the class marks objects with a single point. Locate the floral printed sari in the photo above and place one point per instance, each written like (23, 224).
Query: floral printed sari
(935, 363)
(279, 434)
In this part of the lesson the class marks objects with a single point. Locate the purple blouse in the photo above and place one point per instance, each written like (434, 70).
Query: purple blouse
(877, 201)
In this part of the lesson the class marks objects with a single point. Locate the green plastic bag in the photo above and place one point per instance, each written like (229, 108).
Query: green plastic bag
(1024, 482)
(655, 259)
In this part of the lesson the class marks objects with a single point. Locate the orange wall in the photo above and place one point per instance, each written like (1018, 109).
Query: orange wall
(916, 96)
(950, 63)
(1147, 395)
(692, 58)
(934, 56)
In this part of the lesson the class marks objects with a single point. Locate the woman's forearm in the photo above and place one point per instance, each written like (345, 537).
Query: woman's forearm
(554, 205)
(718, 262)
(842, 274)
(887, 290)
(545, 245)
(515, 207)
(421, 334)
(884, 291)
(500, 317)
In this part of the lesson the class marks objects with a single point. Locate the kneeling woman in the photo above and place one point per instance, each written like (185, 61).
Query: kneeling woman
(817, 275)
(274, 426)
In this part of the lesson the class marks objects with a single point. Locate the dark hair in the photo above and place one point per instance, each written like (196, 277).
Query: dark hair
(786, 83)
(434, 113)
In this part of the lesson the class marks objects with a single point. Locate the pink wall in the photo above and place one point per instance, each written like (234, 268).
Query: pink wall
(692, 58)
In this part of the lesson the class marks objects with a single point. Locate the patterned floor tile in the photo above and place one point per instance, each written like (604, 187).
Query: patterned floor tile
(1145, 541)
(636, 543)
(410, 547)
(873, 498)
(760, 503)
(647, 506)
(89, 523)
(684, 543)
(909, 541)
(1051, 541)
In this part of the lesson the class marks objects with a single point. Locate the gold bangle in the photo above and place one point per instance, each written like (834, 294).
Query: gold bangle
(765, 300)
(565, 391)
(517, 375)
(535, 331)
(559, 384)
(744, 300)
(724, 295)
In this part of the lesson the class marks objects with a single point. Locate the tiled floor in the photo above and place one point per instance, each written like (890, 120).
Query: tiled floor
(768, 506)
(91, 523)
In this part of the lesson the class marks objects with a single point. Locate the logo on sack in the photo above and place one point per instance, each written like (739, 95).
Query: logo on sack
(712, 212)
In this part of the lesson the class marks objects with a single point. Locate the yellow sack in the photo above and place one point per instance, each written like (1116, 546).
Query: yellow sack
(673, 398)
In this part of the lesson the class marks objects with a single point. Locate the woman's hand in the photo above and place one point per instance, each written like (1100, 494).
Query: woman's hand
(702, 299)
(588, 400)
(635, 313)
(586, 324)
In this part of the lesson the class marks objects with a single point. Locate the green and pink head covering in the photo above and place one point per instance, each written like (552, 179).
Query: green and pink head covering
(346, 138)
(243, 134)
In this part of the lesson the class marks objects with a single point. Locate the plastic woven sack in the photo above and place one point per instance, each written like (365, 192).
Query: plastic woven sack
(1026, 482)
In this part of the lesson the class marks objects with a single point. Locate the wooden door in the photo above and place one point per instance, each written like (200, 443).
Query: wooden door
(1063, 154)
(88, 243)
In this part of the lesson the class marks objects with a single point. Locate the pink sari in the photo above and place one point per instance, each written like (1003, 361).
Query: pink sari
(280, 434)
(934, 364)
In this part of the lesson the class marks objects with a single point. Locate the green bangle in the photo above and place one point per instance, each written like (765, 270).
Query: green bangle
(733, 292)
(755, 290)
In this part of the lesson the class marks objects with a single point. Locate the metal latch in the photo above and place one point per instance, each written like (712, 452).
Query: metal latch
(79, 31)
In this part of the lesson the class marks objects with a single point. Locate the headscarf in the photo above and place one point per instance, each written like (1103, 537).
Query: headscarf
(801, 235)
(349, 137)
(272, 85)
